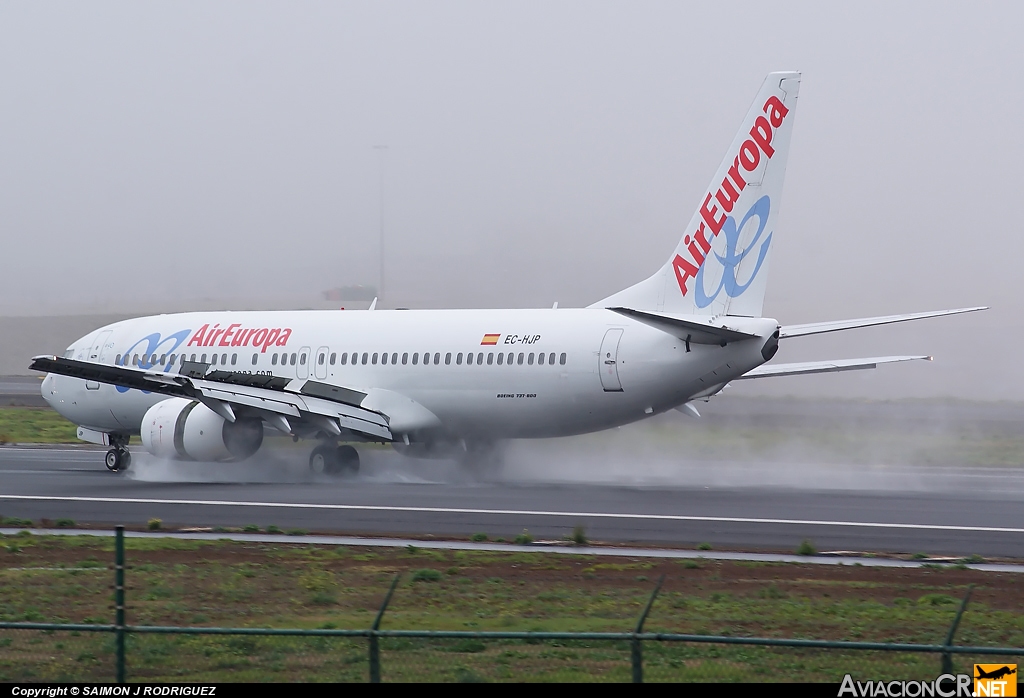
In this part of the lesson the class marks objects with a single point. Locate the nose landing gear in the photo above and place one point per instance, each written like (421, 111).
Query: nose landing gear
(327, 459)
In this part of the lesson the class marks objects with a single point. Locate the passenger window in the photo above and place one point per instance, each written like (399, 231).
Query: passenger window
(551, 358)
(394, 358)
(344, 358)
(292, 362)
(116, 361)
(501, 359)
(458, 359)
(223, 359)
(521, 355)
(213, 360)
(320, 360)
(135, 360)
(561, 359)
(490, 357)
(384, 358)
(529, 359)
(273, 360)
(202, 359)
(163, 359)
(511, 356)
(415, 358)
(540, 359)
(255, 358)
(193, 358)
(365, 358)
(170, 361)
(469, 359)
(480, 358)
(437, 358)
(334, 357)
(448, 359)
(374, 359)
(234, 359)
(302, 359)
(405, 358)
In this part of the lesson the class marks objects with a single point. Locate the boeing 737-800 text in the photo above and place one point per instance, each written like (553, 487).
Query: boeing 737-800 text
(205, 386)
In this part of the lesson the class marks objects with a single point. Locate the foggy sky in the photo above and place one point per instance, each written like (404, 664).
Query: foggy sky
(154, 155)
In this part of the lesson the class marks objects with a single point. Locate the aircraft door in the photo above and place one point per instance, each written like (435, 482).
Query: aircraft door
(302, 370)
(608, 361)
(98, 354)
(320, 367)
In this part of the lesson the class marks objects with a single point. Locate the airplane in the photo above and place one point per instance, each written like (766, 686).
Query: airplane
(207, 386)
(994, 674)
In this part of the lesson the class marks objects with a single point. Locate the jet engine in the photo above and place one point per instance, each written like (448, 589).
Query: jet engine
(183, 429)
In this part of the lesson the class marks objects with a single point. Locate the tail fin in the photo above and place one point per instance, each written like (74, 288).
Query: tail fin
(721, 265)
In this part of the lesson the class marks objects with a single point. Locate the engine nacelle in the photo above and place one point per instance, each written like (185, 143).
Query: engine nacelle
(182, 429)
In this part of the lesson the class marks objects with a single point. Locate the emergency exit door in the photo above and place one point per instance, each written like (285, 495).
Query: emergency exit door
(609, 361)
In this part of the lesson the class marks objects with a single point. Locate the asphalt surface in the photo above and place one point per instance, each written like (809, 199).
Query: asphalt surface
(21, 391)
(910, 509)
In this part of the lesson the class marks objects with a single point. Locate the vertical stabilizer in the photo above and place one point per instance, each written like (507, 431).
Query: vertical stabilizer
(720, 267)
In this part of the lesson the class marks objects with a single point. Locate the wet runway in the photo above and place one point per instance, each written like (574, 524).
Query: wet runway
(935, 510)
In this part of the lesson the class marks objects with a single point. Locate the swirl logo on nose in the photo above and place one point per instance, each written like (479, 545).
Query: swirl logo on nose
(732, 258)
(154, 346)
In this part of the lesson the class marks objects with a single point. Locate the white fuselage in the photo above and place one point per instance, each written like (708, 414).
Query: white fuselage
(599, 369)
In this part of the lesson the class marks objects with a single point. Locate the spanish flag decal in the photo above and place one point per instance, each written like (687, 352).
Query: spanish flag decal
(490, 340)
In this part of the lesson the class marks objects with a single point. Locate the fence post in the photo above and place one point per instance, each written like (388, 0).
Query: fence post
(119, 632)
(947, 657)
(637, 649)
(374, 646)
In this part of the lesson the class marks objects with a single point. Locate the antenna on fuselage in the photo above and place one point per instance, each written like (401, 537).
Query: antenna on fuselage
(373, 304)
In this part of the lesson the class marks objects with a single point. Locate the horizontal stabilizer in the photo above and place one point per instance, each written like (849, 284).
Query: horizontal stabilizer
(696, 332)
(836, 325)
(808, 367)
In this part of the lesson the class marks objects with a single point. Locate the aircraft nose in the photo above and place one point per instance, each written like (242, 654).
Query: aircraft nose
(48, 389)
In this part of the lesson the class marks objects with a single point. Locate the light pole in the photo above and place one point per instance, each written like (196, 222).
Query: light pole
(381, 151)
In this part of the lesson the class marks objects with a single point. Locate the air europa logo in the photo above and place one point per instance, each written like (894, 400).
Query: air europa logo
(718, 219)
(234, 335)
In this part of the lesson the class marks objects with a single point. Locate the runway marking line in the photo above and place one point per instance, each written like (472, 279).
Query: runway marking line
(514, 512)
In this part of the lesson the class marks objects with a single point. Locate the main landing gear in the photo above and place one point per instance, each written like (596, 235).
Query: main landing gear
(327, 459)
(118, 459)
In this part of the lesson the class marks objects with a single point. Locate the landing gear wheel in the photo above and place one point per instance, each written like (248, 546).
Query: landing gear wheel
(117, 459)
(347, 459)
(322, 460)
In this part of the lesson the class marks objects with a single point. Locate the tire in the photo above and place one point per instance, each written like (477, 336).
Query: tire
(322, 460)
(117, 459)
(347, 459)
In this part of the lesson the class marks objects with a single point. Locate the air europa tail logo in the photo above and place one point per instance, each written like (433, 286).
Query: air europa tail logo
(715, 215)
(234, 335)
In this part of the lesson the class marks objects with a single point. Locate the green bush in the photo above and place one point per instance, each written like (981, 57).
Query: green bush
(478, 537)
(524, 538)
(704, 546)
(297, 532)
(273, 529)
(426, 575)
(15, 522)
(579, 535)
(65, 523)
(154, 524)
(251, 528)
(806, 548)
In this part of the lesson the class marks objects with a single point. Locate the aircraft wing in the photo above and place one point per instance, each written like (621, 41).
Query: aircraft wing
(807, 367)
(836, 325)
(327, 407)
